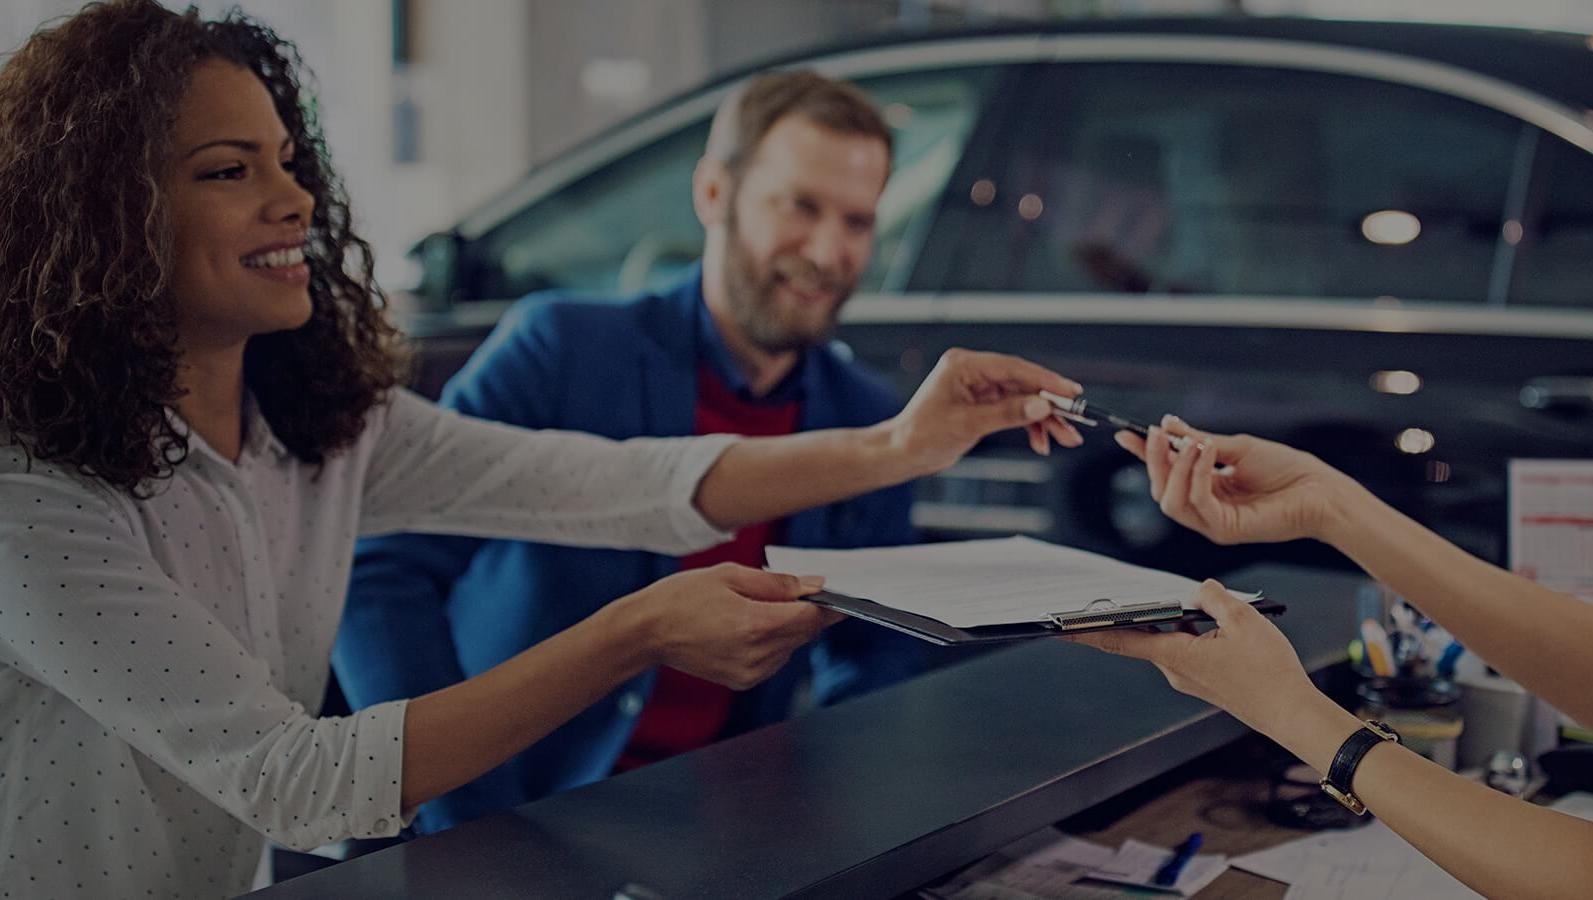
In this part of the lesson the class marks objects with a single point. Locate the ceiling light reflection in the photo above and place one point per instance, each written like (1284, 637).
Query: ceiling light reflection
(1415, 441)
(1396, 381)
(1390, 227)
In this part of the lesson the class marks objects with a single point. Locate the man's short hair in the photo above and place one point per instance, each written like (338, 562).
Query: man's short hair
(746, 116)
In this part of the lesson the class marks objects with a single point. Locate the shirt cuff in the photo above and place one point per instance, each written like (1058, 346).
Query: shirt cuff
(685, 519)
(379, 770)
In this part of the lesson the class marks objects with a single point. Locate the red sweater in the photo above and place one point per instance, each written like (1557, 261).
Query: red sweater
(685, 712)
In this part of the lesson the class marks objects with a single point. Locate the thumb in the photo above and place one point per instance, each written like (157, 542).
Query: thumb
(757, 584)
(1214, 600)
(1013, 412)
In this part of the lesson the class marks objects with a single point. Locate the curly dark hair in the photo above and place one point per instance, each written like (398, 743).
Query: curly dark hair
(88, 354)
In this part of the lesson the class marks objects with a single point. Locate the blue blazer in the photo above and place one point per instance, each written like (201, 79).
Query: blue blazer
(428, 611)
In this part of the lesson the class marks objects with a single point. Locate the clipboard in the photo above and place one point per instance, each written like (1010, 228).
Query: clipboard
(1101, 615)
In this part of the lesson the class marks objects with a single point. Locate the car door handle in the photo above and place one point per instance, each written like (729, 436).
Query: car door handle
(1558, 392)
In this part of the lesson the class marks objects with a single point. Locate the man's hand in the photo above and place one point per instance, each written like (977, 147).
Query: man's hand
(970, 395)
(729, 624)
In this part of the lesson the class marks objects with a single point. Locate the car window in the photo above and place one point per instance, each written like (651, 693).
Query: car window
(625, 225)
(931, 114)
(1554, 265)
(629, 224)
(1235, 180)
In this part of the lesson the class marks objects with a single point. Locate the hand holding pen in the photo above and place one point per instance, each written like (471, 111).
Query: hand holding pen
(1236, 488)
(1080, 411)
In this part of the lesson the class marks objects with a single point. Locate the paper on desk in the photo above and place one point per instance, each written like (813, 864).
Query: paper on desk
(1137, 862)
(1577, 803)
(985, 582)
(1370, 862)
(1041, 866)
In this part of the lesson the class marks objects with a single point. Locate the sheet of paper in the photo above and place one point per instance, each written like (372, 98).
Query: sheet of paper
(1346, 880)
(1370, 862)
(985, 582)
(1136, 863)
(1067, 851)
(1041, 866)
(1577, 803)
(1551, 523)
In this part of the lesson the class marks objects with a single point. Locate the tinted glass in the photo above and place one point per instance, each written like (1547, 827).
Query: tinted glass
(1236, 180)
(629, 224)
(626, 225)
(931, 115)
(1554, 266)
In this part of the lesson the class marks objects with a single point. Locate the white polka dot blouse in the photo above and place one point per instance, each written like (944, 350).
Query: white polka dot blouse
(162, 660)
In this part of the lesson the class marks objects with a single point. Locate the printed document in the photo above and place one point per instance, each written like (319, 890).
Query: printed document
(1551, 523)
(1366, 863)
(1001, 581)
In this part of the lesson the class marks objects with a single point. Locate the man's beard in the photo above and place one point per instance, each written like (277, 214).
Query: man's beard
(751, 294)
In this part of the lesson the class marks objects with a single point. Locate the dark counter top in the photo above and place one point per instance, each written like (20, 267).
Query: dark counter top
(866, 799)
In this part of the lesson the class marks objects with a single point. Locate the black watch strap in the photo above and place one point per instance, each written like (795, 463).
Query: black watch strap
(1342, 772)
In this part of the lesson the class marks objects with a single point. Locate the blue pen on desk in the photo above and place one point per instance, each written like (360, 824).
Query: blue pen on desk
(1168, 874)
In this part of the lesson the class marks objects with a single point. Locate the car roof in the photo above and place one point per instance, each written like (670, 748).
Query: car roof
(1556, 65)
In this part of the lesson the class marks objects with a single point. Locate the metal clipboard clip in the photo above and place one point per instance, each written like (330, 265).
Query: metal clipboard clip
(1104, 612)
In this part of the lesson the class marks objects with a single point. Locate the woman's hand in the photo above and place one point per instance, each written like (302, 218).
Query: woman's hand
(1245, 665)
(969, 395)
(729, 624)
(1238, 489)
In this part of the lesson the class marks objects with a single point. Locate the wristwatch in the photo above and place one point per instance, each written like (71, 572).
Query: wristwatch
(1342, 771)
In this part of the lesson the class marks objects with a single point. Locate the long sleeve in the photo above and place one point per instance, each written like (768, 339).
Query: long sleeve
(87, 611)
(437, 471)
(397, 640)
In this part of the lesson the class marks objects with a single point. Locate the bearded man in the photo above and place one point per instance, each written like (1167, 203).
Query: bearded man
(786, 191)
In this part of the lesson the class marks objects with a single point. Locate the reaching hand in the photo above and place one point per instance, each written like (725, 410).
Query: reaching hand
(1245, 665)
(1263, 491)
(729, 624)
(970, 395)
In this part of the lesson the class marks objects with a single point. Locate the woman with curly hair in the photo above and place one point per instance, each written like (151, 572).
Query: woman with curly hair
(200, 412)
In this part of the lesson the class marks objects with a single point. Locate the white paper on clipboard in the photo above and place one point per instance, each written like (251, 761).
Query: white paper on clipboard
(1551, 523)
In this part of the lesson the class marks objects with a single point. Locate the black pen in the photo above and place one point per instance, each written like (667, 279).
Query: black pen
(1083, 412)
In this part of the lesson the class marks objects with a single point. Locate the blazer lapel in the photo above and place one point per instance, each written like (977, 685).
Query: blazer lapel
(668, 362)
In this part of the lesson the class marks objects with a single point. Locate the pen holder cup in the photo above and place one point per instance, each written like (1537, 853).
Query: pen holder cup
(1425, 712)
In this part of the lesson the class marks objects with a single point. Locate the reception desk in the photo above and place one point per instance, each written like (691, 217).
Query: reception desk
(870, 798)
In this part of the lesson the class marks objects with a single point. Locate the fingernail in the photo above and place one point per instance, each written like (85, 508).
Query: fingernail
(812, 581)
(1122, 439)
(1036, 408)
(1168, 419)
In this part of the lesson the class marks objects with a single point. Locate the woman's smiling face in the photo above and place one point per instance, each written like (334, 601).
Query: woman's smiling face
(238, 215)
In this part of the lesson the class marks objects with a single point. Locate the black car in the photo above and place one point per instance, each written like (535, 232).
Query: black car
(1373, 241)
